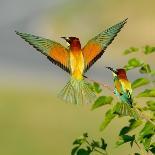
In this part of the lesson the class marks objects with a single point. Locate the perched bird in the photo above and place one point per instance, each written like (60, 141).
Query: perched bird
(75, 60)
(123, 90)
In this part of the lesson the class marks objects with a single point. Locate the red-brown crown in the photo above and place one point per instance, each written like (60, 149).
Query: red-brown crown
(74, 42)
(121, 73)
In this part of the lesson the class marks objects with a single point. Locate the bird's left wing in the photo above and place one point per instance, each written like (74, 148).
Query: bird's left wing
(126, 87)
(94, 49)
(54, 51)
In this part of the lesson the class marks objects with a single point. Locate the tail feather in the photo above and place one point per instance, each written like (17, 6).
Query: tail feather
(123, 109)
(77, 92)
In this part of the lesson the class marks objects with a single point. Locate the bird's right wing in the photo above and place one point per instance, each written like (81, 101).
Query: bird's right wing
(94, 49)
(54, 51)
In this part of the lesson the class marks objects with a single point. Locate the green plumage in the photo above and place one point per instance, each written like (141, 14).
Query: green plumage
(44, 46)
(41, 44)
(77, 92)
(123, 94)
(107, 36)
(125, 107)
(104, 39)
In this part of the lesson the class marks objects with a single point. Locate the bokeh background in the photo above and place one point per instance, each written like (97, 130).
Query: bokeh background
(32, 120)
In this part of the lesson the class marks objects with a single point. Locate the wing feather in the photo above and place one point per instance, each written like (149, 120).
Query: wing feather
(54, 51)
(95, 48)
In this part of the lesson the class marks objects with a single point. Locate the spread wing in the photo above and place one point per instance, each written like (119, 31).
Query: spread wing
(94, 49)
(54, 51)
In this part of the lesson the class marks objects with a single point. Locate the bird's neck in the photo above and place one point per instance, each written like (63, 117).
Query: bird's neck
(75, 46)
(122, 76)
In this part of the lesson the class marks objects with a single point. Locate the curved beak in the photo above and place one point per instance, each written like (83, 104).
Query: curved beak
(110, 68)
(66, 38)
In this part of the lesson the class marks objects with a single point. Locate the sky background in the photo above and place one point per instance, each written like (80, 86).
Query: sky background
(29, 83)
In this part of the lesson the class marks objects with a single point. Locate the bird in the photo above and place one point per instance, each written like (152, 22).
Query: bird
(123, 90)
(75, 60)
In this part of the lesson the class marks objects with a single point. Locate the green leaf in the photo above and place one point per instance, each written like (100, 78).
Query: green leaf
(97, 87)
(153, 73)
(133, 124)
(151, 105)
(133, 63)
(146, 142)
(148, 49)
(89, 149)
(85, 135)
(152, 150)
(140, 82)
(79, 141)
(124, 130)
(102, 100)
(74, 150)
(107, 119)
(145, 69)
(103, 144)
(147, 131)
(147, 93)
(83, 152)
(152, 147)
(136, 154)
(130, 50)
(124, 139)
(95, 144)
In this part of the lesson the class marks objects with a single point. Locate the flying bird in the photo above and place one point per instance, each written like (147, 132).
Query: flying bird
(75, 60)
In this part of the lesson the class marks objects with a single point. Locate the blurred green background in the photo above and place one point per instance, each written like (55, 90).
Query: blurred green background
(32, 120)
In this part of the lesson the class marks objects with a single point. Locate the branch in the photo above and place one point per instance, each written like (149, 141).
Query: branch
(102, 84)
(95, 148)
(142, 115)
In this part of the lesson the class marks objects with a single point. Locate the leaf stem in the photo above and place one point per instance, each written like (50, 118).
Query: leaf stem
(95, 148)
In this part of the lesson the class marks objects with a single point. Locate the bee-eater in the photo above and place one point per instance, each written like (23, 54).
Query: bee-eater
(122, 85)
(123, 90)
(75, 60)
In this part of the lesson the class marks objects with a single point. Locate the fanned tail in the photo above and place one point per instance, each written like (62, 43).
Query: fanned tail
(124, 109)
(77, 92)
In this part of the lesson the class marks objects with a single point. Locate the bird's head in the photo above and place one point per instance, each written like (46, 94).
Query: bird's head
(72, 42)
(121, 73)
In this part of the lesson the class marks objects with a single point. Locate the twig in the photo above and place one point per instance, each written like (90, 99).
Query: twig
(95, 148)
(143, 116)
(151, 81)
(137, 145)
(100, 152)
(147, 119)
(102, 84)
(142, 152)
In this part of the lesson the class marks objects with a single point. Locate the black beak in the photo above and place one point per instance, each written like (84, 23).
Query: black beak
(66, 38)
(111, 70)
